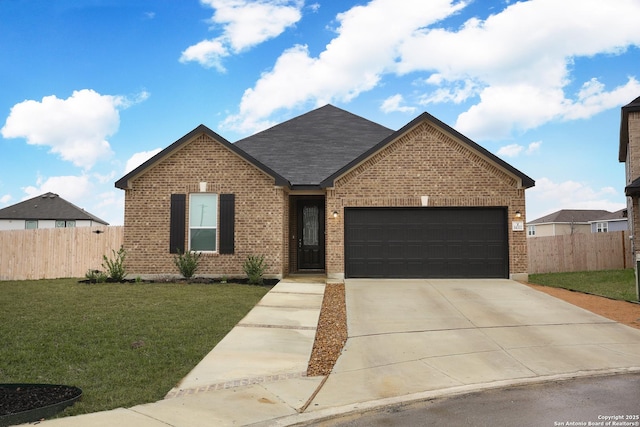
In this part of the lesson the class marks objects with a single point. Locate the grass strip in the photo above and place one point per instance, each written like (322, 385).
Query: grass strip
(616, 284)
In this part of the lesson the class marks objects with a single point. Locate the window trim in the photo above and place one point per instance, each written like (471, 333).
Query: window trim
(215, 227)
(602, 227)
(531, 230)
(30, 221)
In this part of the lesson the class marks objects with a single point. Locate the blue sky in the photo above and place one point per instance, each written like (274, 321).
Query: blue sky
(92, 88)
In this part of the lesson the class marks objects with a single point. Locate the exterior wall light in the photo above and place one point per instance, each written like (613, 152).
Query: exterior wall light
(335, 214)
(518, 214)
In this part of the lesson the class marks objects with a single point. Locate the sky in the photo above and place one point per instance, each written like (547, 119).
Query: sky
(90, 89)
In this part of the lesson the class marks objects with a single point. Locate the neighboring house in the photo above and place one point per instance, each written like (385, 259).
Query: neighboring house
(565, 221)
(629, 153)
(329, 192)
(46, 211)
(616, 221)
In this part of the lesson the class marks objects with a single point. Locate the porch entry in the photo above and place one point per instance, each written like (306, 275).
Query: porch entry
(309, 233)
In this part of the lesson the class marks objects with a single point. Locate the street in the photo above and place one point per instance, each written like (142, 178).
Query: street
(594, 401)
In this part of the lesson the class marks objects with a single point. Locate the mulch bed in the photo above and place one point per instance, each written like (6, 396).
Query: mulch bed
(331, 334)
(24, 397)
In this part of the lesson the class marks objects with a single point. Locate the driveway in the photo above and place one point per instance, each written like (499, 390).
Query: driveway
(416, 337)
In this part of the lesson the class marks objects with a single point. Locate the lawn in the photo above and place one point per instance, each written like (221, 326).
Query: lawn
(616, 284)
(122, 344)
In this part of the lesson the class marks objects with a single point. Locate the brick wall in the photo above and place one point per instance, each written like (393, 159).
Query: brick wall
(425, 162)
(260, 210)
(632, 166)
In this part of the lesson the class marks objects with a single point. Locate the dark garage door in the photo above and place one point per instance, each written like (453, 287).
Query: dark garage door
(426, 242)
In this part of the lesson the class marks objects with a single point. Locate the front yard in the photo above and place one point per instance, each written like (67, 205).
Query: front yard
(122, 344)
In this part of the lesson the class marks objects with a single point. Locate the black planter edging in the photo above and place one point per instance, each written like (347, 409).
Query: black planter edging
(69, 395)
(194, 280)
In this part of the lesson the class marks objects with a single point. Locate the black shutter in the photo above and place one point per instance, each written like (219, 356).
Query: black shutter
(177, 223)
(227, 220)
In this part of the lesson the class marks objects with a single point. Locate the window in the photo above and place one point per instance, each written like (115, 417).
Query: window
(203, 221)
(63, 224)
(31, 224)
(531, 230)
(602, 227)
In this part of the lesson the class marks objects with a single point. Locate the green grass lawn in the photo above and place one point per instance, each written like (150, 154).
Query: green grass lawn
(617, 284)
(65, 332)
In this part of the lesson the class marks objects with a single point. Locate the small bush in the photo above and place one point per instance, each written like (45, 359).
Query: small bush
(187, 263)
(254, 267)
(96, 276)
(115, 267)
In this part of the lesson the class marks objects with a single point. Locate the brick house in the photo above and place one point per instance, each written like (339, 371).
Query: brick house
(329, 192)
(629, 153)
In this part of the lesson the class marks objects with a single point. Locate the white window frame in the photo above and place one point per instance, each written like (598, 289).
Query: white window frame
(602, 227)
(60, 223)
(195, 226)
(531, 230)
(32, 222)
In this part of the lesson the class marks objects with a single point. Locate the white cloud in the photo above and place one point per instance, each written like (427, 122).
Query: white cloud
(513, 67)
(548, 196)
(394, 103)
(514, 150)
(511, 150)
(534, 147)
(75, 128)
(71, 188)
(139, 158)
(5, 199)
(353, 62)
(245, 23)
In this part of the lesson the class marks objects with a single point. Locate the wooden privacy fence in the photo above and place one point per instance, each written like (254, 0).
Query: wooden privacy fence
(50, 253)
(580, 252)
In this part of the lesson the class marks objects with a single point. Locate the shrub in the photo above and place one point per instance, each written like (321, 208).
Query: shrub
(187, 263)
(115, 267)
(254, 267)
(96, 276)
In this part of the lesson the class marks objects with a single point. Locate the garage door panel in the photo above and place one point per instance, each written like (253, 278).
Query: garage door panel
(426, 242)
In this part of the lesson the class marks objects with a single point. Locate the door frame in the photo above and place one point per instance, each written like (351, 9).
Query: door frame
(296, 204)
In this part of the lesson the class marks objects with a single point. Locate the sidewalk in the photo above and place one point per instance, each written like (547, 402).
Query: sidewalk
(409, 340)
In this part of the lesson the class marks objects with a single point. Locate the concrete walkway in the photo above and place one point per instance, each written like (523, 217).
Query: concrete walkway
(408, 340)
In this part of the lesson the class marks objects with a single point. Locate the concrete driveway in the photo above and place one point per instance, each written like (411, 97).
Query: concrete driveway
(419, 336)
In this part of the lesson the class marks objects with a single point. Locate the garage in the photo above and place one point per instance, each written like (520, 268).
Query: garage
(426, 242)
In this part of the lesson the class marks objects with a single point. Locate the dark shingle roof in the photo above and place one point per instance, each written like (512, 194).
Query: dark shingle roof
(47, 206)
(309, 148)
(613, 216)
(568, 216)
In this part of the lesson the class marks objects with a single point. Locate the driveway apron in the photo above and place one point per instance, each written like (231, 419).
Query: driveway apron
(412, 336)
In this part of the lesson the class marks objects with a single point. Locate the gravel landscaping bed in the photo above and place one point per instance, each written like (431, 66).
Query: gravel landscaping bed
(331, 334)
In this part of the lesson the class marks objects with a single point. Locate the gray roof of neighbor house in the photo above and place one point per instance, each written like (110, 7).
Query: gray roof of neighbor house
(309, 148)
(613, 216)
(47, 206)
(631, 107)
(568, 216)
(312, 150)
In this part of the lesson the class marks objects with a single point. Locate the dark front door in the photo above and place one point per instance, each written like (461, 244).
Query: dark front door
(311, 234)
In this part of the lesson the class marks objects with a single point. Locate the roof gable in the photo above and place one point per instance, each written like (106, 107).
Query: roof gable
(124, 182)
(47, 206)
(526, 182)
(567, 216)
(309, 148)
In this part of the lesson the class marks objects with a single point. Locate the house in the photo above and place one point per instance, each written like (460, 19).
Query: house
(613, 221)
(629, 153)
(565, 221)
(333, 193)
(46, 211)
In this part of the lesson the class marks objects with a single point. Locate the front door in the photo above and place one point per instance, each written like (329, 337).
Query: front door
(311, 234)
